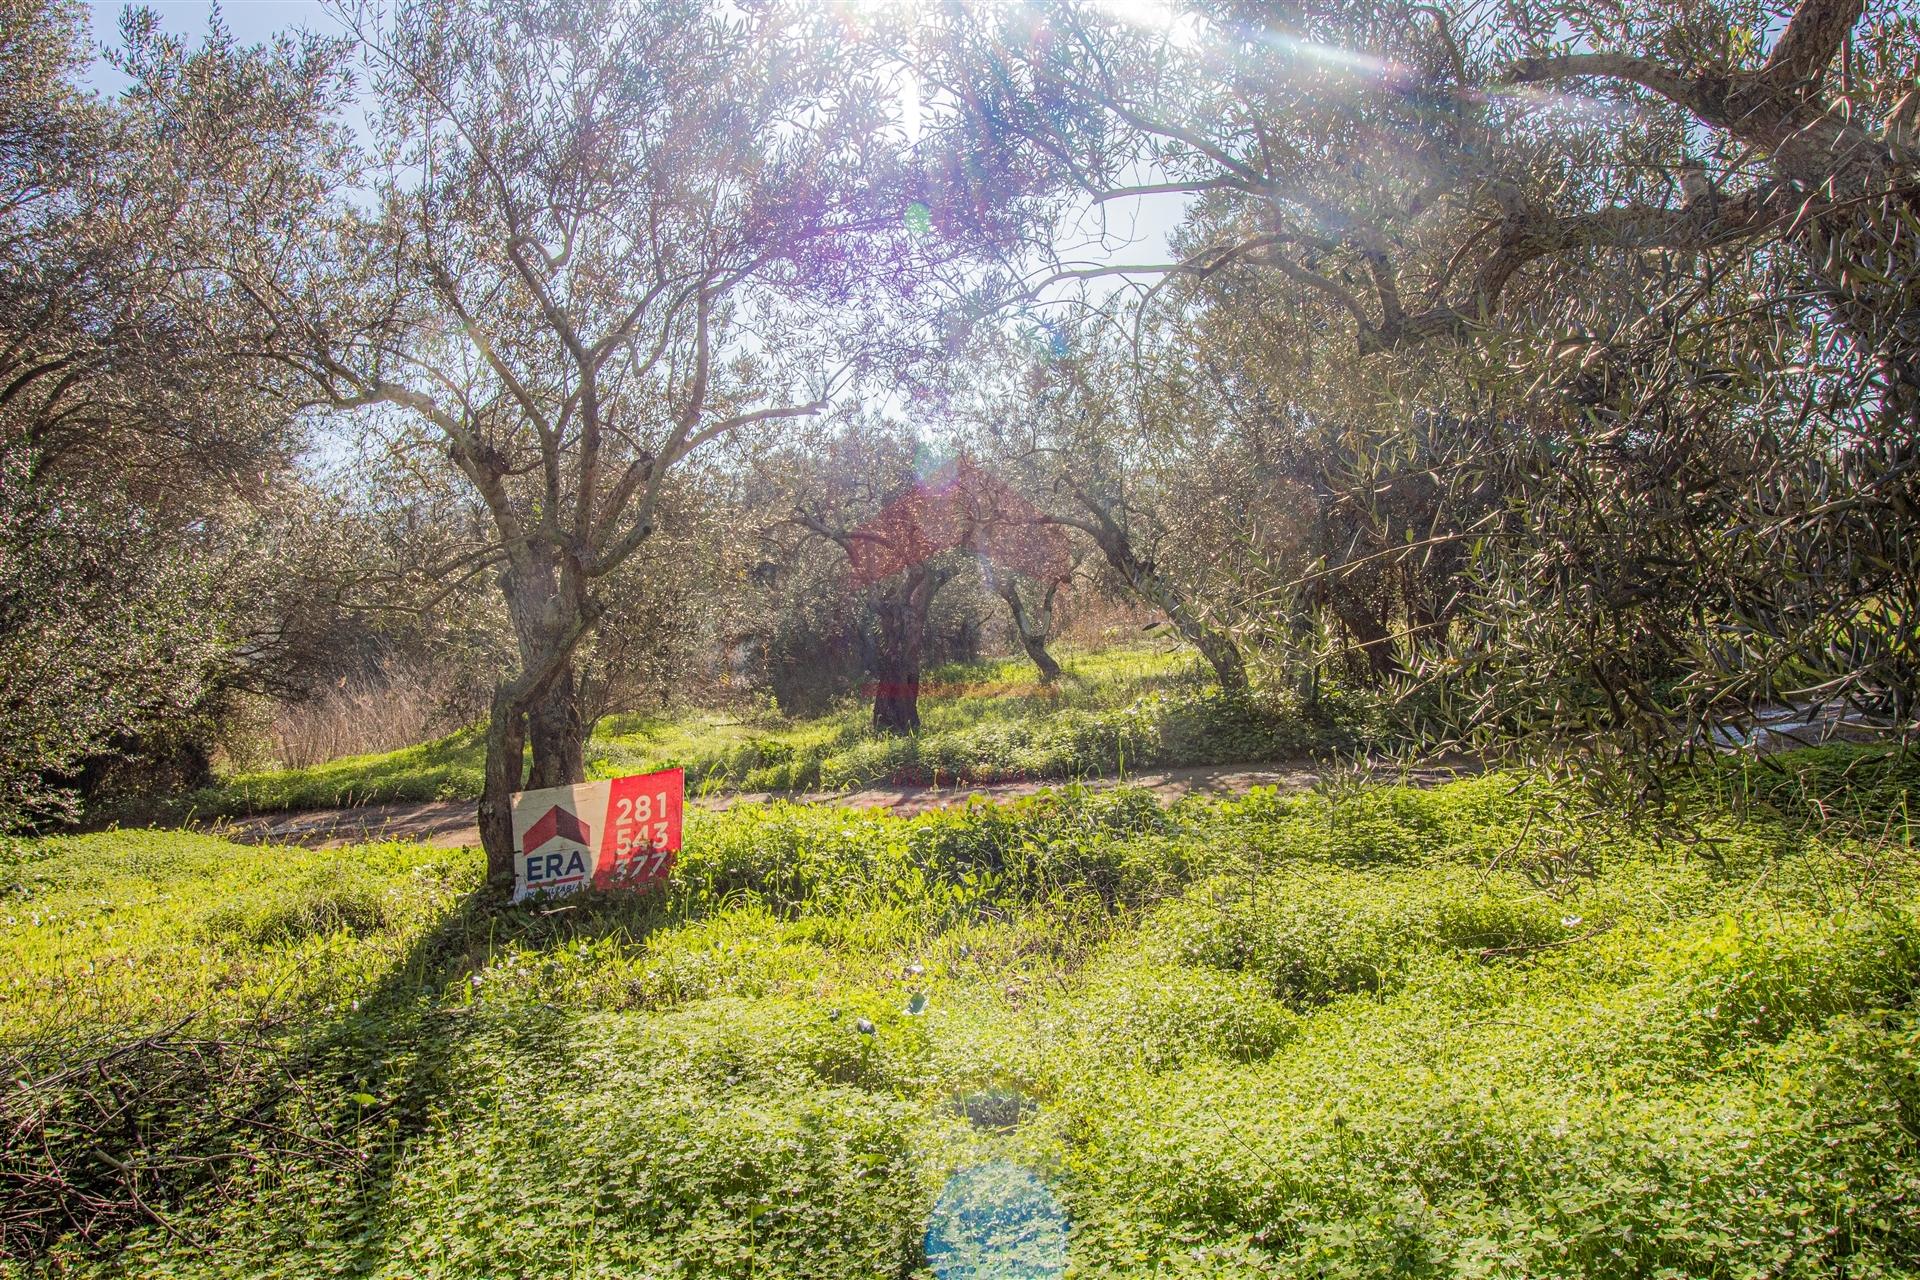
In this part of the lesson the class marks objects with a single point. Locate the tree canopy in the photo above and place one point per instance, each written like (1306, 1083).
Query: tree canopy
(1548, 371)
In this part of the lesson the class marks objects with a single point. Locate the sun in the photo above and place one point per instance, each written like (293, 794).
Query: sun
(1179, 25)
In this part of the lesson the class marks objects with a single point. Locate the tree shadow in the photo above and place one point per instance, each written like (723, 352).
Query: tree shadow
(143, 1130)
(410, 1038)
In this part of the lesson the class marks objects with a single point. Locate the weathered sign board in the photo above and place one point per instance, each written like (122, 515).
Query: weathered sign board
(620, 833)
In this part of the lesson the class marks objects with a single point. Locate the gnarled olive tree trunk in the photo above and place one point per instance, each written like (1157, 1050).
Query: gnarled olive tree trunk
(551, 611)
(1217, 647)
(901, 610)
(1034, 625)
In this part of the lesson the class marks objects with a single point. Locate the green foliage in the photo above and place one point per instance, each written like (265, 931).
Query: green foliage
(1117, 710)
(795, 858)
(106, 633)
(1155, 1016)
(684, 1144)
(448, 768)
(1341, 1034)
(1866, 788)
(337, 898)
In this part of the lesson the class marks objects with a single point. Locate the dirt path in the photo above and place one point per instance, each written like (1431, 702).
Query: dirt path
(450, 823)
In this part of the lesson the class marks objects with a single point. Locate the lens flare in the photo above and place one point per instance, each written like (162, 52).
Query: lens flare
(1181, 28)
(997, 1220)
(1572, 106)
(1365, 64)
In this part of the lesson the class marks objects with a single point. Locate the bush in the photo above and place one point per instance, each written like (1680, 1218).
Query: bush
(109, 635)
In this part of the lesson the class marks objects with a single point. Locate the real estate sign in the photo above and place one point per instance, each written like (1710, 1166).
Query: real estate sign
(620, 833)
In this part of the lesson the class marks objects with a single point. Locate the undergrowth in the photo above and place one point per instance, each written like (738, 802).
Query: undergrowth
(1114, 711)
(1476, 1030)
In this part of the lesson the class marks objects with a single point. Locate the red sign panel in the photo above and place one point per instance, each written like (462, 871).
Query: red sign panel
(620, 833)
(642, 829)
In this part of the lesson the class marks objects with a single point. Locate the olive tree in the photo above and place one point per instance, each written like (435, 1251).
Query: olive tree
(1634, 286)
(868, 493)
(593, 241)
(1100, 438)
(143, 451)
(1409, 164)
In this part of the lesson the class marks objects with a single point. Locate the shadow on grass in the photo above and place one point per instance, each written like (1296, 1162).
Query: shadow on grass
(145, 1130)
(408, 1038)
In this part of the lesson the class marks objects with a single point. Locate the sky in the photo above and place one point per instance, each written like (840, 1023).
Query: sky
(1132, 231)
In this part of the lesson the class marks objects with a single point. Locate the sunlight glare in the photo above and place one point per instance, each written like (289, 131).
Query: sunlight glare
(1181, 27)
(910, 106)
(1365, 64)
(1572, 106)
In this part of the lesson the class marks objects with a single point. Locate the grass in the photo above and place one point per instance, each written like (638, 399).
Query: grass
(984, 722)
(1477, 1030)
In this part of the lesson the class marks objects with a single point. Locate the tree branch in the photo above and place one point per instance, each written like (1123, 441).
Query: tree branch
(1531, 236)
(1644, 72)
(1807, 47)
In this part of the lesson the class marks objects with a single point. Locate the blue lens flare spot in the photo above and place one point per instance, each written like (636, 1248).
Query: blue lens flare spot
(997, 1221)
(919, 219)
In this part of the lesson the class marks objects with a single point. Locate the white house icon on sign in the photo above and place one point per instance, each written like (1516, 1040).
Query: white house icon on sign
(559, 850)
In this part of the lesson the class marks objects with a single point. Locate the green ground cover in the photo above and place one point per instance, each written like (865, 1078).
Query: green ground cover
(1376, 1031)
(984, 722)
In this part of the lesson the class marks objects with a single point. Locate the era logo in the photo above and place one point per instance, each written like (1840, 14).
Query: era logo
(559, 850)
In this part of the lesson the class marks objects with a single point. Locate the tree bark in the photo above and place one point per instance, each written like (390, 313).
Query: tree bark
(506, 749)
(551, 614)
(1218, 648)
(1370, 633)
(902, 614)
(896, 666)
(556, 728)
(1044, 662)
(1033, 626)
